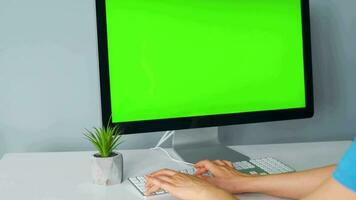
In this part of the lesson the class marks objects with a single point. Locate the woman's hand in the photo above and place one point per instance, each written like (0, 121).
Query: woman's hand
(223, 175)
(183, 186)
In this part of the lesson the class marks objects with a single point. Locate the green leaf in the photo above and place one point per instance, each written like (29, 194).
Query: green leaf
(105, 139)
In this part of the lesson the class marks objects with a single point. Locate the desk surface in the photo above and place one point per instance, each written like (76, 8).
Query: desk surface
(66, 176)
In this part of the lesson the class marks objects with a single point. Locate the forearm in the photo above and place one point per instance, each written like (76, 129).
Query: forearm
(218, 194)
(293, 185)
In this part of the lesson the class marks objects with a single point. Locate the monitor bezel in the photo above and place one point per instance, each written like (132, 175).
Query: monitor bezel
(202, 121)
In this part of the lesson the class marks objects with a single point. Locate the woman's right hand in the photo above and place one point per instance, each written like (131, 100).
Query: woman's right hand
(223, 175)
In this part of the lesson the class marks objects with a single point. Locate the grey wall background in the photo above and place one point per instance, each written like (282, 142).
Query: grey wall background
(334, 60)
(49, 82)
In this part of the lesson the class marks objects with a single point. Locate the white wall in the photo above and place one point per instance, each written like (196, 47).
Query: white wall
(49, 82)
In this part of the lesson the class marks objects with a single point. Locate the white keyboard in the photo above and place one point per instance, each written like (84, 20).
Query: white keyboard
(263, 166)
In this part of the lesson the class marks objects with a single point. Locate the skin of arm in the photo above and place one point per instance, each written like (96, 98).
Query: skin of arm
(293, 185)
(331, 190)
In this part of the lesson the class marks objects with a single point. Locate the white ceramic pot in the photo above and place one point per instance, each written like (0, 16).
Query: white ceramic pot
(107, 171)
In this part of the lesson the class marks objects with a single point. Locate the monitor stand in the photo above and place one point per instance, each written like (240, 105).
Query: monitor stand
(193, 145)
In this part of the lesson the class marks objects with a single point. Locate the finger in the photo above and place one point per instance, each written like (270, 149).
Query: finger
(219, 162)
(168, 179)
(148, 184)
(228, 163)
(158, 182)
(203, 163)
(152, 189)
(209, 165)
(153, 186)
(164, 172)
(200, 170)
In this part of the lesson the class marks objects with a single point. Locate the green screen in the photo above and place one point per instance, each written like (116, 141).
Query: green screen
(185, 58)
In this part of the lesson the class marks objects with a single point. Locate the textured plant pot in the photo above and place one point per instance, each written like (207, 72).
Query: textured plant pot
(107, 171)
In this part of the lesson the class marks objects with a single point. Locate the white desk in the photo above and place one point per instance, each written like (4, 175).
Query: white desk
(66, 176)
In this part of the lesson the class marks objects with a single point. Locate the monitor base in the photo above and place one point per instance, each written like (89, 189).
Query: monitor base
(193, 145)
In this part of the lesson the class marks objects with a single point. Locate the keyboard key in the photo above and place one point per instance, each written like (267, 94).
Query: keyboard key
(253, 173)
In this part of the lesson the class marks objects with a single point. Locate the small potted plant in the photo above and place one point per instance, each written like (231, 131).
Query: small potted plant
(107, 164)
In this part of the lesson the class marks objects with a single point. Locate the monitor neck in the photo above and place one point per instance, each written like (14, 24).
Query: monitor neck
(193, 145)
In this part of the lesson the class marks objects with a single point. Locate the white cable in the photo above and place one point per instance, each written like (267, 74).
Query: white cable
(165, 137)
(173, 159)
(162, 138)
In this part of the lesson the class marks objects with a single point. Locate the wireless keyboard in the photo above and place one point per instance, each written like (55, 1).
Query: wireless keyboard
(263, 166)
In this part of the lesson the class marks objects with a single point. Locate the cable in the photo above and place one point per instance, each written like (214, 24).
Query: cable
(170, 157)
(164, 138)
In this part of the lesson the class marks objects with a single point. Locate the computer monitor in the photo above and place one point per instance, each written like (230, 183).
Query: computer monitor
(172, 65)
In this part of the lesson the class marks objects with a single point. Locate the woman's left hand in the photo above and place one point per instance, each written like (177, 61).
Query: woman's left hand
(184, 187)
